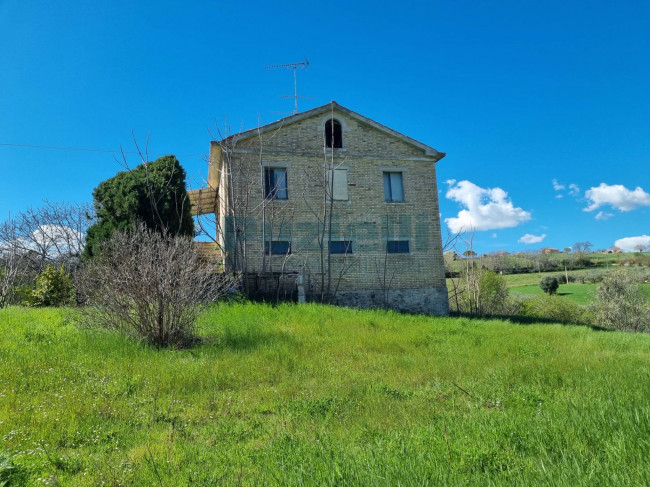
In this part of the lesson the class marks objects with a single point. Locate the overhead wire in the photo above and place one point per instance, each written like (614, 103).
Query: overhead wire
(82, 149)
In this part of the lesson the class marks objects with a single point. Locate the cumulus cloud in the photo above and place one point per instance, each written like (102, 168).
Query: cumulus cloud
(574, 189)
(529, 238)
(557, 186)
(485, 208)
(56, 235)
(616, 196)
(602, 215)
(631, 244)
(50, 239)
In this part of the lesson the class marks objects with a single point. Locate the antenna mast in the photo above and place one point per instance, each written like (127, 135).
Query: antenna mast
(295, 67)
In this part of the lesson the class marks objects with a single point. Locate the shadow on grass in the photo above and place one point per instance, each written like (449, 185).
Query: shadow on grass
(247, 338)
(528, 320)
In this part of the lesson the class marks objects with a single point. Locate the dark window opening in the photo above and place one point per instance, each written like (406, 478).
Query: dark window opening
(277, 247)
(333, 134)
(397, 247)
(275, 183)
(340, 247)
(393, 187)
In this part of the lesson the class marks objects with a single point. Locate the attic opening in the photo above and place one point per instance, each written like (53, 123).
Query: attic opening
(333, 134)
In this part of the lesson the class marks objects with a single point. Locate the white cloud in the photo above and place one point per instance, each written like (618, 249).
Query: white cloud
(603, 215)
(630, 243)
(617, 196)
(56, 235)
(51, 239)
(494, 235)
(574, 189)
(529, 238)
(486, 208)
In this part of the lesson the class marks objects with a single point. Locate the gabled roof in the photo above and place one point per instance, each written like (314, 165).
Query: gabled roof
(429, 151)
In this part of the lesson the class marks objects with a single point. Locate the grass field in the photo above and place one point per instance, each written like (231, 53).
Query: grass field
(582, 294)
(316, 395)
(533, 278)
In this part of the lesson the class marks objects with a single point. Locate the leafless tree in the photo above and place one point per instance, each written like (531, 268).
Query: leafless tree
(53, 234)
(582, 247)
(13, 262)
(236, 188)
(149, 284)
(385, 276)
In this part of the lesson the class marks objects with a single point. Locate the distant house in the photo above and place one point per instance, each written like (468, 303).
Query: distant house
(344, 206)
(549, 250)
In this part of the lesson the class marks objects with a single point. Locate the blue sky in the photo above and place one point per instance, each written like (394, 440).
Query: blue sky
(543, 108)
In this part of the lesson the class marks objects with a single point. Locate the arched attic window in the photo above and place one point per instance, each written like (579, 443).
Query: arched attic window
(333, 134)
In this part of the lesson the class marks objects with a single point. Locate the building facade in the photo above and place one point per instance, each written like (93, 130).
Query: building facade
(343, 204)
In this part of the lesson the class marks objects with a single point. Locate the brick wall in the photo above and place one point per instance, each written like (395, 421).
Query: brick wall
(366, 218)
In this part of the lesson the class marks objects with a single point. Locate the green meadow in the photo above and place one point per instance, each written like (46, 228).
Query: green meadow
(582, 294)
(318, 395)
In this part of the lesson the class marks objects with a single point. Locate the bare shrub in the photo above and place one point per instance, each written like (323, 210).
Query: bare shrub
(622, 303)
(150, 285)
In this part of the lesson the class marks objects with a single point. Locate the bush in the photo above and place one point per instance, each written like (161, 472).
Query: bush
(480, 292)
(594, 276)
(556, 308)
(149, 284)
(549, 284)
(621, 302)
(53, 288)
(494, 293)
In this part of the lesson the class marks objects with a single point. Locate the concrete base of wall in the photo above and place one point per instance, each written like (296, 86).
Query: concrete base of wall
(433, 301)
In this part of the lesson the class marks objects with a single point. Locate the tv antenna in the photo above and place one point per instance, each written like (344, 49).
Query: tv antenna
(295, 67)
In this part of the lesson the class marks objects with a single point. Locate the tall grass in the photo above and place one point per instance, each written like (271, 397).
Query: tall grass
(318, 395)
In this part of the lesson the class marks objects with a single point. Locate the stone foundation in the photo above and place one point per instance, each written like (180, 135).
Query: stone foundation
(432, 301)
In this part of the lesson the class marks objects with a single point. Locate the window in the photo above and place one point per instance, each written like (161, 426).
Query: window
(333, 134)
(277, 247)
(340, 187)
(393, 189)
(275, 183)
(397, 247)
(340, 246)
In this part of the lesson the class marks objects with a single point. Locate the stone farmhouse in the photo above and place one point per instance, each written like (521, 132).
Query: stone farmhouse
(342, 208)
